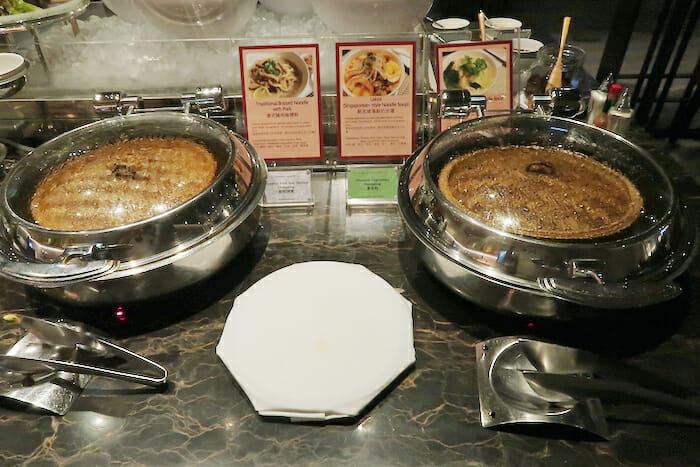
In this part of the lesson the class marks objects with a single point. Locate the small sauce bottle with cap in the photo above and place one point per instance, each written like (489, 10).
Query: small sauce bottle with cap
(598, 99)
(601, 120)
(620, 116)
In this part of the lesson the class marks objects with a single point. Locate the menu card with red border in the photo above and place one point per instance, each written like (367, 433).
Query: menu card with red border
(376, 84)
(482, 68)
(282, 101)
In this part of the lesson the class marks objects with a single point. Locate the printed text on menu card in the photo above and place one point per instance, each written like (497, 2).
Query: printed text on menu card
(482, 68)
(281, 100)
(376, 99)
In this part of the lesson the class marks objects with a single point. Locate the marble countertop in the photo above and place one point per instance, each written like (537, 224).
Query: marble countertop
(429, 417)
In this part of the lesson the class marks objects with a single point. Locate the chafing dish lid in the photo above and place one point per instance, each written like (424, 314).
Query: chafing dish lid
(628, 268)
(540, 192)
(145, 241)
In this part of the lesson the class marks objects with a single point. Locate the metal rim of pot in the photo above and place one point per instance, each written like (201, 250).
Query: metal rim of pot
(86, 128)
(547, 242)
(49, 275)
(245, 208)
(430, 240)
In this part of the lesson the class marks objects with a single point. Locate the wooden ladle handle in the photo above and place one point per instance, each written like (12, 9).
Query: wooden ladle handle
(564, 34)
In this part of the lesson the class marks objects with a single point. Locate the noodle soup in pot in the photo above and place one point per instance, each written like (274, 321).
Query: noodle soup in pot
(372, 73)
(282, 75)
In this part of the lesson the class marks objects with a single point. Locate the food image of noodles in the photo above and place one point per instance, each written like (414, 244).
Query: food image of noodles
(373, 73)
(274, 77)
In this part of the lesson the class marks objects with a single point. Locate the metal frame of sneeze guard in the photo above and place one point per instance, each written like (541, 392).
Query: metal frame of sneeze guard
(204, 100)
(62, 105)
(461, 104)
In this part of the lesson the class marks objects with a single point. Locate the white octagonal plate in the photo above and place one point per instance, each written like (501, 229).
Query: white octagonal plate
(317, 340)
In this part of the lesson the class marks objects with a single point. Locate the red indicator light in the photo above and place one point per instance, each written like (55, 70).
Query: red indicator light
(120, 314)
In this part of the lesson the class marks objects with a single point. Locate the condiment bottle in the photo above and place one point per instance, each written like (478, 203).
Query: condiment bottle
(601, 120)
(598, 98)
(620, 117)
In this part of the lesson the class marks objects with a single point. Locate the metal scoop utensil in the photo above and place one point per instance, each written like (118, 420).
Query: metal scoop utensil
(527, 381)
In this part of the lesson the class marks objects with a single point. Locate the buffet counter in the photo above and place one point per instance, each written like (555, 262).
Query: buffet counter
(429, 416)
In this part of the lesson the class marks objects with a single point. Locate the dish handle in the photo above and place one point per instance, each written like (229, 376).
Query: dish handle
(611, 296)
(52, 275)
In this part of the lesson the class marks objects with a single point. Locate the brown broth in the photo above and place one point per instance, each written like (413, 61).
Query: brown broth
(122, 183)
(541, 192)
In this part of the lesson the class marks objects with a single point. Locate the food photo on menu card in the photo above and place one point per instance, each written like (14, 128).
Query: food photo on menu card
(474, 71)
(481, 68)
(284, 75)
(373, 72)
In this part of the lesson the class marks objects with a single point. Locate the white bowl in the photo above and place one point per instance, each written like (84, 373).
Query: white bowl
(503, 24)
(372, 16)
(204, 18)
(11, 67)
(289, 7)
(528, 46)
(448, 24)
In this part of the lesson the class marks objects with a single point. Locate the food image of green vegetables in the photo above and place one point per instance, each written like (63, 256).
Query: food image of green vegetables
(473, 67)
(15, 7)
(468, 67)
(271, 67)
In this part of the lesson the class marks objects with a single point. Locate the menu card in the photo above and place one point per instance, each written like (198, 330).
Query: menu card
(281, 100)
(482, 68)
(375, 86)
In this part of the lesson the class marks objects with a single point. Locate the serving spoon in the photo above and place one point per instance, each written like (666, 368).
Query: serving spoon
(555, 76)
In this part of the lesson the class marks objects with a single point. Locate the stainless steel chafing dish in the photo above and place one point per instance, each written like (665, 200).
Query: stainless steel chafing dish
(540, 277)
(143, 259)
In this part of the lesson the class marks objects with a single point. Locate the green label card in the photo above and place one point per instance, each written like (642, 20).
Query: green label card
(372, 183)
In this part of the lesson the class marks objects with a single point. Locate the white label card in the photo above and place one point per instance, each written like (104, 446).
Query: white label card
(288, 188)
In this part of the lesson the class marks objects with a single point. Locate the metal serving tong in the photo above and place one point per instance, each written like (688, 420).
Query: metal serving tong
(96, 350)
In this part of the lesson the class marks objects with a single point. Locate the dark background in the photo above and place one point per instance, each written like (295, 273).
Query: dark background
(590, 18)
(591, 22)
